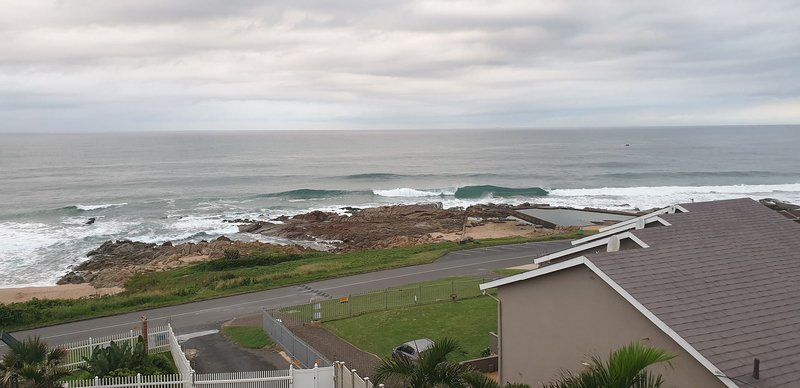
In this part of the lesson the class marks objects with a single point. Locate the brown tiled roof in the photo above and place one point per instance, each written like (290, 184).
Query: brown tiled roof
(725, 276)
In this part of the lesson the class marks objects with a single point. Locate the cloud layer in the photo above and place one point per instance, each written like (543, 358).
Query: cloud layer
(77, 65)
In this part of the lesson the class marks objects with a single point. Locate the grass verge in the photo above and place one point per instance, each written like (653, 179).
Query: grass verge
(217, 279)
(415, 294)
(468, 321)
(251, 337)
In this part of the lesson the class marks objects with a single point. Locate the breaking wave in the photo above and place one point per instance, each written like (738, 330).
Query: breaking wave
(96, 207)
(498, 191)
(405, 192)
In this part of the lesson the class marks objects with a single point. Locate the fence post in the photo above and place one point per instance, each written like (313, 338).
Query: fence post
(96, 381)
(350, 303)
(366, 382)
(91, 348)
(386, 299)
(131, 339)
(138, 380)
(452, 287)
(316, 375)
(291, 375)
(353, 378)
(420, 293)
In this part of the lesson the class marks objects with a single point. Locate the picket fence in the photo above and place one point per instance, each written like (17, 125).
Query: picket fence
(349, 378)
(158, 341)
(289, 378)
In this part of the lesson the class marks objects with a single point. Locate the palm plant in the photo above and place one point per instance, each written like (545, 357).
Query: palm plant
(433, 369)
(31, 363)
(116, 356)
(625, 368)
(480, 380)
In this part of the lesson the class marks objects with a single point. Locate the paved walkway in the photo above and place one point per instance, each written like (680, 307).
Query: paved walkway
(335, 348)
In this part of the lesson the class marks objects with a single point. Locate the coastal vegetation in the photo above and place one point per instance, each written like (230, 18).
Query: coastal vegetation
(217, 278)
(626, 367)
(120, 359)
(31, 363)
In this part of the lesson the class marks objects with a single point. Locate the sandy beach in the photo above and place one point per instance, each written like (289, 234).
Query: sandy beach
(65, 291)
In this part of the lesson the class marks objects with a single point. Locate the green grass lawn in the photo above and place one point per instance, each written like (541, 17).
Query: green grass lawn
(226, 277)
(468, 321)
(413, 294)
(251, 337)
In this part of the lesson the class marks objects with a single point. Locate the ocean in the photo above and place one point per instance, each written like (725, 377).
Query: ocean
(180, 186)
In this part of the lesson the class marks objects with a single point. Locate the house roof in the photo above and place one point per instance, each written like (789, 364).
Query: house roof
(724, 277)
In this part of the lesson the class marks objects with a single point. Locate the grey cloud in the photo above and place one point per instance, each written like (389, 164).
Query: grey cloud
(214, 64)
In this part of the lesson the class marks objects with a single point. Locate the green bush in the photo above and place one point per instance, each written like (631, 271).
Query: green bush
(119, 359)
(122, 372)
(257, 260)
(231, 254)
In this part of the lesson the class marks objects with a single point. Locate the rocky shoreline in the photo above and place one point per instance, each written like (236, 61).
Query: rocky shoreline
(378, 227)
(115, 262)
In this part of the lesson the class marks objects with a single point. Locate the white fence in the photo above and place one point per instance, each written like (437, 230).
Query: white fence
(163, 339)
(181, 362)
(139, 381)
(349, 378)
(263, 379)
(291, 378)
(158, 341)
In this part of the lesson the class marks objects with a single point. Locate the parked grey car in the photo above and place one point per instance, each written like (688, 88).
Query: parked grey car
(412, 349)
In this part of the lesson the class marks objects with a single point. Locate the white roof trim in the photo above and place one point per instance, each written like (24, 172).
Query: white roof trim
(533, 273)
(661, 325)
(589, 245)
(629, 298)
(619, 229)
(667, 210)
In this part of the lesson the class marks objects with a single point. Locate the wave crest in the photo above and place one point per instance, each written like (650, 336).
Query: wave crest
(406, 192)
(498, 191)
(100, 206)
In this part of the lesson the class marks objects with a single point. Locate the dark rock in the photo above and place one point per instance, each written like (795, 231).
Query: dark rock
(91, 220)
(72, 278)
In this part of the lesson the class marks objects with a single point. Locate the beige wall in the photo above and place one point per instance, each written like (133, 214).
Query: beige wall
(552, 322)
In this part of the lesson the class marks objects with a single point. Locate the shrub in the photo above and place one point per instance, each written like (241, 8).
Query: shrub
(119, 359)
(231, 254)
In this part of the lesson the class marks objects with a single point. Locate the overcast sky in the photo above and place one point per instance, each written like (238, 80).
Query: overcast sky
(222, 64)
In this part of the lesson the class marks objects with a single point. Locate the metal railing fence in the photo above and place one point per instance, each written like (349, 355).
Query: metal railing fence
(387, 299)
(300, 351)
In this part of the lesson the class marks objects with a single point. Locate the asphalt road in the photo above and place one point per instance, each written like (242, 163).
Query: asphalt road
(209, 314)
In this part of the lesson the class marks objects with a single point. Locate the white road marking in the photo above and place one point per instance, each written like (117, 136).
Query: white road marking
(186, 337)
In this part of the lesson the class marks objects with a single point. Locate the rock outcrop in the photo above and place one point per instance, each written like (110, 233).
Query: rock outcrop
(115, 262)
(379, 227)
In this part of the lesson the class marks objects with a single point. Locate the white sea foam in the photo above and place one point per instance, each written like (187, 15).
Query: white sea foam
(101, 206)
(406, 192)
(33, 253)
(659, 196)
